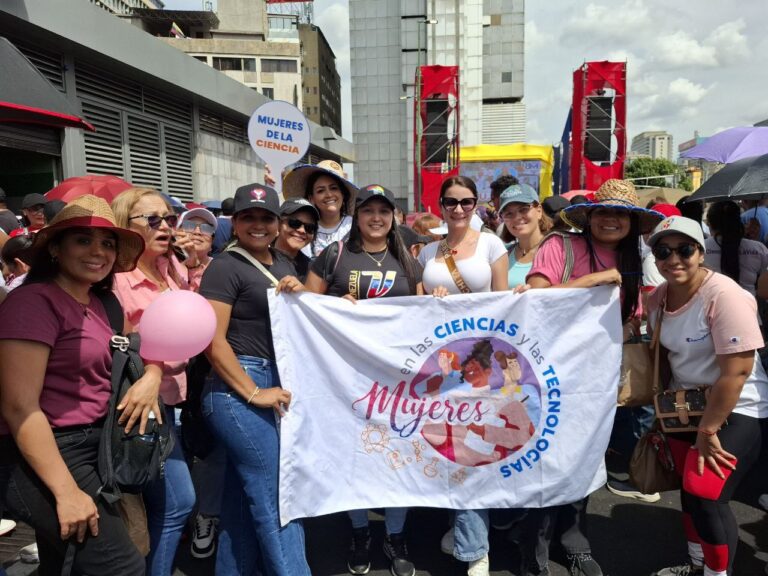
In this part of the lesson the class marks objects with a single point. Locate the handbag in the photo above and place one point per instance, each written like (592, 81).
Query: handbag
(451, 263)
(639, 381)
(652, 468)
(681, 410)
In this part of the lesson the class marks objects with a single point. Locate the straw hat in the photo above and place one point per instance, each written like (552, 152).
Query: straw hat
(91, 212)
(295, 183)
(616, 194)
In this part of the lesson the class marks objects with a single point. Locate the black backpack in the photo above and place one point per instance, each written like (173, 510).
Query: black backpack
(128, 462)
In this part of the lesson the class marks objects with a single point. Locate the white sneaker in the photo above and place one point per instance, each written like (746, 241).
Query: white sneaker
(204, 539)
(479, 567)
(628, 491)
(6, 526)
(29, 554)
(446, 542)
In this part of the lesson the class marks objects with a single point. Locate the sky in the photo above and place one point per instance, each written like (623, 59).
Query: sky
(691, 65)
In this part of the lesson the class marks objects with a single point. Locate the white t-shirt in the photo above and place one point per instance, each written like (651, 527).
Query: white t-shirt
(721, 318)
(476, 270)
(753, 260)
(325, 236)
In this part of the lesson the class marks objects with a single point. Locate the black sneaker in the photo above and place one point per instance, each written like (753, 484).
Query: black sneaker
(397, 552)
(684, 570)
(204, 538)
(583, 565)
(359, 561)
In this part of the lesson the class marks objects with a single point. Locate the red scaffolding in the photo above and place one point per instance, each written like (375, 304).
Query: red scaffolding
(593, 82)
(436, 133)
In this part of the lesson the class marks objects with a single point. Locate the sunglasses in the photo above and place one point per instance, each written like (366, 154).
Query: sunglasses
(154, 221)
(685, 251)
(296, 224)
(467, 204)
(190, 226)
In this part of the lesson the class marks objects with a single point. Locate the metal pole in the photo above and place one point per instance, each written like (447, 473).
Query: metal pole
(419, 129)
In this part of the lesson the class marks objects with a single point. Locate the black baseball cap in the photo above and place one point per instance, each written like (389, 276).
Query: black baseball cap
(375, 191)
(256, 196)
(410, 237)
(554, 204)
(33, 200)
(295, 204)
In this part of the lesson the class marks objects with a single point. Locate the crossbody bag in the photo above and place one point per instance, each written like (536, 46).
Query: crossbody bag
(256, 263)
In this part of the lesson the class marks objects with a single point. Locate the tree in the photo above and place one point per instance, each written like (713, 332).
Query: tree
(647, 168)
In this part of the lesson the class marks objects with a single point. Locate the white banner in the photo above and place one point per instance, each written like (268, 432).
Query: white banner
(472, 401)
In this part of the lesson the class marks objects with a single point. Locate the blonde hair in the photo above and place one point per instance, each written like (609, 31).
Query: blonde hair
(127, 199)
(423, 223)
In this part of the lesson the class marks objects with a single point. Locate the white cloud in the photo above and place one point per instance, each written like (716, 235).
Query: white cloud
(683, 91)
(680, 49)
(729, 41)
(609, 21)
(535, 39)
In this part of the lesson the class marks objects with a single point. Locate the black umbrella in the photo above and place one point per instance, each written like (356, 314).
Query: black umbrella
(26, 96)
(745, 179)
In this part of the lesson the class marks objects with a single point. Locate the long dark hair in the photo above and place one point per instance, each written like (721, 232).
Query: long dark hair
(44, 268)
(396, 248)
(345, 193)
(628, 262)
(724, 218)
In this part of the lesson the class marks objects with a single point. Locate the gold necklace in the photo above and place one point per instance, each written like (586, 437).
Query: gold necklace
(378, 262)
(524, 252)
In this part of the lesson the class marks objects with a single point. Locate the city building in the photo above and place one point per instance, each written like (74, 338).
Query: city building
(698, 169)
(126, 6)
(389, 40)
(655, 144)
(321, 81)
(162, 119)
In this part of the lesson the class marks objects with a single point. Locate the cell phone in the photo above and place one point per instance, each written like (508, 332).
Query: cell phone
(180, 253)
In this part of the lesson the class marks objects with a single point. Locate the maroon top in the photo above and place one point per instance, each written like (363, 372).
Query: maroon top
(77, 382)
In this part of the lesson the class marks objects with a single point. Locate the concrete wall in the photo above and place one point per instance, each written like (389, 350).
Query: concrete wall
(220, 166)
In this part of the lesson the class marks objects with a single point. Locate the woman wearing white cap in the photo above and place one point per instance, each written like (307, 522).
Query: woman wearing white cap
(199, 225)
(709, 328)
(325, 186)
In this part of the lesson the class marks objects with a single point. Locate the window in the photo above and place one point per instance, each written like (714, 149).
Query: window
(495, 19)
(314, 89)
(225, 64)
(203, 59)
(269, 93)
(272, 65)
(506, 77)
(282, 23)
(249, 64)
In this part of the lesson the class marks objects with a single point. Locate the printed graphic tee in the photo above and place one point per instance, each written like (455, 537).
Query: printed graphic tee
(753, 260)
(325, 236)
(358, 273)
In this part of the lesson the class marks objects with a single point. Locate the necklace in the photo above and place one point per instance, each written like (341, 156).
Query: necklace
(524, 252)
(378, 262)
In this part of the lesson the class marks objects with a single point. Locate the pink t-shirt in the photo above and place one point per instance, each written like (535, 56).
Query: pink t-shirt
(136, 292)
(77, 382)
(721, 318)
(550, 259)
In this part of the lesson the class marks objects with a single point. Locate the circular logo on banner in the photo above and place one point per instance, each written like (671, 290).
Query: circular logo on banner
(279, 133)
(491, 395)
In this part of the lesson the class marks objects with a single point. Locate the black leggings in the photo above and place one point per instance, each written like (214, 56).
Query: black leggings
(25, 495)
(710, 521)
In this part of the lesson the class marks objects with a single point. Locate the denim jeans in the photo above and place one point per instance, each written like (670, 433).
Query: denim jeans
(30, 501)
(470, 535)
(250, 536)
(394, 519)
(169, 501)
(208, 478)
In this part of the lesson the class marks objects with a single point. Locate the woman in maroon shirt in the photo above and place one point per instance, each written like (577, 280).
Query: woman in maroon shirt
(55, 388)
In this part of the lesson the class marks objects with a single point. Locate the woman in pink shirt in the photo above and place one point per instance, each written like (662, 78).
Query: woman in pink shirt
(606, 252)
(170, 499)
(710, 331)
(55, 386)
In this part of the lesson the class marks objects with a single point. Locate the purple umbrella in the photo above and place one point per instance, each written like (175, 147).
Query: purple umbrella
(732, 145)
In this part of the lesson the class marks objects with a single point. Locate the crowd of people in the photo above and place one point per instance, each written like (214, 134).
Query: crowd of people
(701, 279)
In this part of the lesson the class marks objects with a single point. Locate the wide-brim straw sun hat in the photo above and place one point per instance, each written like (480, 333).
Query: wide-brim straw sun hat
(618, 195)
(295, 183)
(89, 211)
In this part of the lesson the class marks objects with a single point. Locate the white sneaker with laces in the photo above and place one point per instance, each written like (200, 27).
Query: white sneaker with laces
(204, 539)
(479, 567)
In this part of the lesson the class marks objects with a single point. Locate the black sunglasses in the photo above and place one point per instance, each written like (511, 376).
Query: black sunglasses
(467, 204)
(685, 251)
(154, 221)
(295, 223)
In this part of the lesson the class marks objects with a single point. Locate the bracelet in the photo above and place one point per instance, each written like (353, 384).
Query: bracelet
(255, 393)
(707, 432)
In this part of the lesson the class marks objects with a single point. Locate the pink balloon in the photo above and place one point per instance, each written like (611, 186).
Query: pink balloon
(178, 325)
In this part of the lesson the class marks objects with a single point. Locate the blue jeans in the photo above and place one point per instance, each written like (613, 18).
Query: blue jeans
(394, 519)
(251, 536)
(169, 501)
(470, 535)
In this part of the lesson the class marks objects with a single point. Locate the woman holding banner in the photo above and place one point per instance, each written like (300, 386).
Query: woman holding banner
(377, 264)
(326, 187)
(605, 252)
(243, 400)
(466, 261)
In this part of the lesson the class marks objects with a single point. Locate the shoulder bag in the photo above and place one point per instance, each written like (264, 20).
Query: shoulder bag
(451, 263)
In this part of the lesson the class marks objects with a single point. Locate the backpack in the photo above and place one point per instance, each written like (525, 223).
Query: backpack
(128, 462)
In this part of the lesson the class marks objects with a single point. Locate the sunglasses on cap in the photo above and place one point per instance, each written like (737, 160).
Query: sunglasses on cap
(296, 224)
(685, 251)
(154, 221)
(467, 204)
(191, 226)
